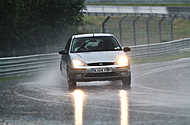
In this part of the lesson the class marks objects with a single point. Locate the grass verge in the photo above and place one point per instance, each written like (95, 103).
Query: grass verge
(10, 78)
(16, 77)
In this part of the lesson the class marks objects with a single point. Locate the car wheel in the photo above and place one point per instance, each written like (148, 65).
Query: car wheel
(71, 83)
(61, 67)
(126, 82)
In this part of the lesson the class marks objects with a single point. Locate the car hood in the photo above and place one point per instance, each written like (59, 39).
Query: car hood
(94, 57)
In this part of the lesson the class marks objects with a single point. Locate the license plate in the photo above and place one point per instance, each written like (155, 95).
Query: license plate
(101, 70)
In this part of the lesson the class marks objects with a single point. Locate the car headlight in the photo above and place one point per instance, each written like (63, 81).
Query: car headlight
(122, 61)
(77, 63)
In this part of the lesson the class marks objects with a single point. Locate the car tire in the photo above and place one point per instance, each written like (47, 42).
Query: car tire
(71, 83)
(61, 68)
(126, 82)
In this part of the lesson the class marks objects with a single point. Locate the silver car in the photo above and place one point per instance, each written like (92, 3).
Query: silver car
(95, 57)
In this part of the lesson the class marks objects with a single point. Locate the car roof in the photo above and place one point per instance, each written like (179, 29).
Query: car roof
(92, 35)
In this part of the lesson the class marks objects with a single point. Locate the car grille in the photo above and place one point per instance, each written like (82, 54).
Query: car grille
(101, 74)
(101, 64)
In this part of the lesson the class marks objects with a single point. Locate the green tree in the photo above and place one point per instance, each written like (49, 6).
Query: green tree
(31, 23)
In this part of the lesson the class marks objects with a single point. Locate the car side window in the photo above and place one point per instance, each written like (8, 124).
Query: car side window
(68, 44)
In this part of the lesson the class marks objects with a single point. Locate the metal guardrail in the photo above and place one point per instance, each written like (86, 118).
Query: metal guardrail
(142, 1)
(24, 64)
(27, 64)
(149, 50)
(110, 10)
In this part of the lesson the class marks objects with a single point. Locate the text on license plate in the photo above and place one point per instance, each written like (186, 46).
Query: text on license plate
(101, 70)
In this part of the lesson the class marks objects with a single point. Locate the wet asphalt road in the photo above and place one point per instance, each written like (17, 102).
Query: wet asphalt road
(159, 96)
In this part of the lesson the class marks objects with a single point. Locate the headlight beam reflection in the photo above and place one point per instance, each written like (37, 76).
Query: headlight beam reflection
(78, 105)
(124, 107)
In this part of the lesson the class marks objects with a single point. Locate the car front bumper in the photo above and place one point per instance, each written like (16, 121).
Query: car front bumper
(85, 74)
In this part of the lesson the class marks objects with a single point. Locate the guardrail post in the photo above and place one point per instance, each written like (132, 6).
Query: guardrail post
(103, 24)
(160, 27)
(134, 30)
(147, 28)
(172, 27)
(120, 28)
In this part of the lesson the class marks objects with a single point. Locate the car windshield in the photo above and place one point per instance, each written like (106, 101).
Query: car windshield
(90, 44)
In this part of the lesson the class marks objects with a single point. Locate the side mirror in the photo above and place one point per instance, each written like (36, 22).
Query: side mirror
(62, 52)
(126, 49)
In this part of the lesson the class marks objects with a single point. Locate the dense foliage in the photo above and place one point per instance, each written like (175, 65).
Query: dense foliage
(31, 24)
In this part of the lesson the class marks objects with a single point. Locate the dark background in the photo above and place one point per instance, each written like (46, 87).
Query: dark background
(37, 26)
